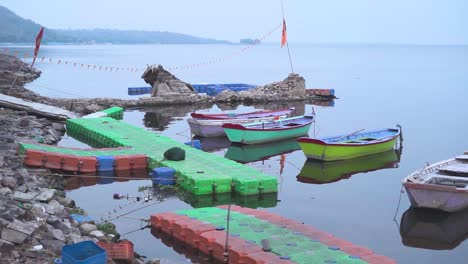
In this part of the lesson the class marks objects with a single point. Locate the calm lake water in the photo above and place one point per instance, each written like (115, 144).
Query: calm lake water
(422, 88)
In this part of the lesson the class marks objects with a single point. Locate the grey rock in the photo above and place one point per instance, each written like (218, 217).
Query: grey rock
(75, 231)
(12, 213)
(54, 246)
(56, 208)
(58, 223)
(74, 238)
(5, 246)
(24, 188)
(164, 83)
(97, 234)
(26, 228)
(56, 234)
(3, 222)
(46, 195)
(24, 197)
(153, 261)
(5, 191)
(87, 228)
(14, 236)
(58, 126)
(9, 182)
(65, 201)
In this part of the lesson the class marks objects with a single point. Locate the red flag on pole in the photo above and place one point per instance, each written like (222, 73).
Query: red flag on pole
(38, 44)
(283, 34)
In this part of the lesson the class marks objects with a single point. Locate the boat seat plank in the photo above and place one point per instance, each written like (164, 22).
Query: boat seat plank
(462, 157)
(459, 168)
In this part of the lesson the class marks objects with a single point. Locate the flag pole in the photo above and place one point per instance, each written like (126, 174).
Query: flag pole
(287, 44)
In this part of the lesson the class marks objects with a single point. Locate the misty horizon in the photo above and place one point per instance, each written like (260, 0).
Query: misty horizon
(397, 22)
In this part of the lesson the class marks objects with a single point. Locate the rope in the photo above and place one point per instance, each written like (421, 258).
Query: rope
(173, 68)
(132, 211)
(226, 245)
(133, 231)
(16, 77)
(56, 90)
(399, 201)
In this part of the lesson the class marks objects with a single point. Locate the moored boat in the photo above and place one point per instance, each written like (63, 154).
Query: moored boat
(214, 127)
(357, 144)
(442, 185)
(249, 115)
(263, 132)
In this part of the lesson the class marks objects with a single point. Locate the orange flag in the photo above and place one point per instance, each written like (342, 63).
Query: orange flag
(38, 44)
(283, 34)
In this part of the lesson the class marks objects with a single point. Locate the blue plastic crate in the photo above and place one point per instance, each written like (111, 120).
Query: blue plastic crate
(163, 176)
(105, 163)
(86, 252)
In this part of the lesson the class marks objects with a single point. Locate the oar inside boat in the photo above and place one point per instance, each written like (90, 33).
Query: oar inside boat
(348, 135)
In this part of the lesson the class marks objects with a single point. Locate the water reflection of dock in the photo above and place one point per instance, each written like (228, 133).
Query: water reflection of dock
(251, 201)
(433, 229)
(320, 172)
(73, 182)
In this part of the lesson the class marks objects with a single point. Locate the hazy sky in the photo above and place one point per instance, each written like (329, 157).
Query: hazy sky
(327, 21)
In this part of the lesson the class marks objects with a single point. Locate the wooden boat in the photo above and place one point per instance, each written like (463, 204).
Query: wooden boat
(251, 153)
(210, 125)
(321, 172)
(442, 185)
(263, 132)
(433, 229)
(214, 127)
(349, 146)
(249, 115)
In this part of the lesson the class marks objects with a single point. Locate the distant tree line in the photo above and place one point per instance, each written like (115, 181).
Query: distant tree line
(15, 29)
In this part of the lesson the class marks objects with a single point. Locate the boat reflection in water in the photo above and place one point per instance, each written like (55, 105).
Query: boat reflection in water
(251, 153)
(320, 172)
(211, 144)
(433, 229)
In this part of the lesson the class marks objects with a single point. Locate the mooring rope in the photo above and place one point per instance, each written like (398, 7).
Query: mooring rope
(226, 245)
(399, 201)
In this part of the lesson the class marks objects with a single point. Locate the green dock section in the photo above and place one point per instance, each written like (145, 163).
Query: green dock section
(200, 172)
(283, 241)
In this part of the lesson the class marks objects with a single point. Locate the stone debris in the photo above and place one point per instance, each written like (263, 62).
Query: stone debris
(290, 89)
(165, 83)
(87, 228)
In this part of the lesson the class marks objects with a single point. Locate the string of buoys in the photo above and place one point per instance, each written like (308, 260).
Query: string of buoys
(113, 68)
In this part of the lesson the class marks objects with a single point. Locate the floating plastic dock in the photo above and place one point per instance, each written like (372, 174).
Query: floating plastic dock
(200, 173)
(288, 241)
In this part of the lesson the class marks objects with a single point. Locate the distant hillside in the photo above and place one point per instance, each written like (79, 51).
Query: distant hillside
(16, 29)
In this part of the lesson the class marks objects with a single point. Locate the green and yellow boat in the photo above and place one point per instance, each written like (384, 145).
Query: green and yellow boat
(321, 172)
(263, 132)
(356, 144)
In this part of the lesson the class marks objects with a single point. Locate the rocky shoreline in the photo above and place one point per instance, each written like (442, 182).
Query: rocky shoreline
(35, 214)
